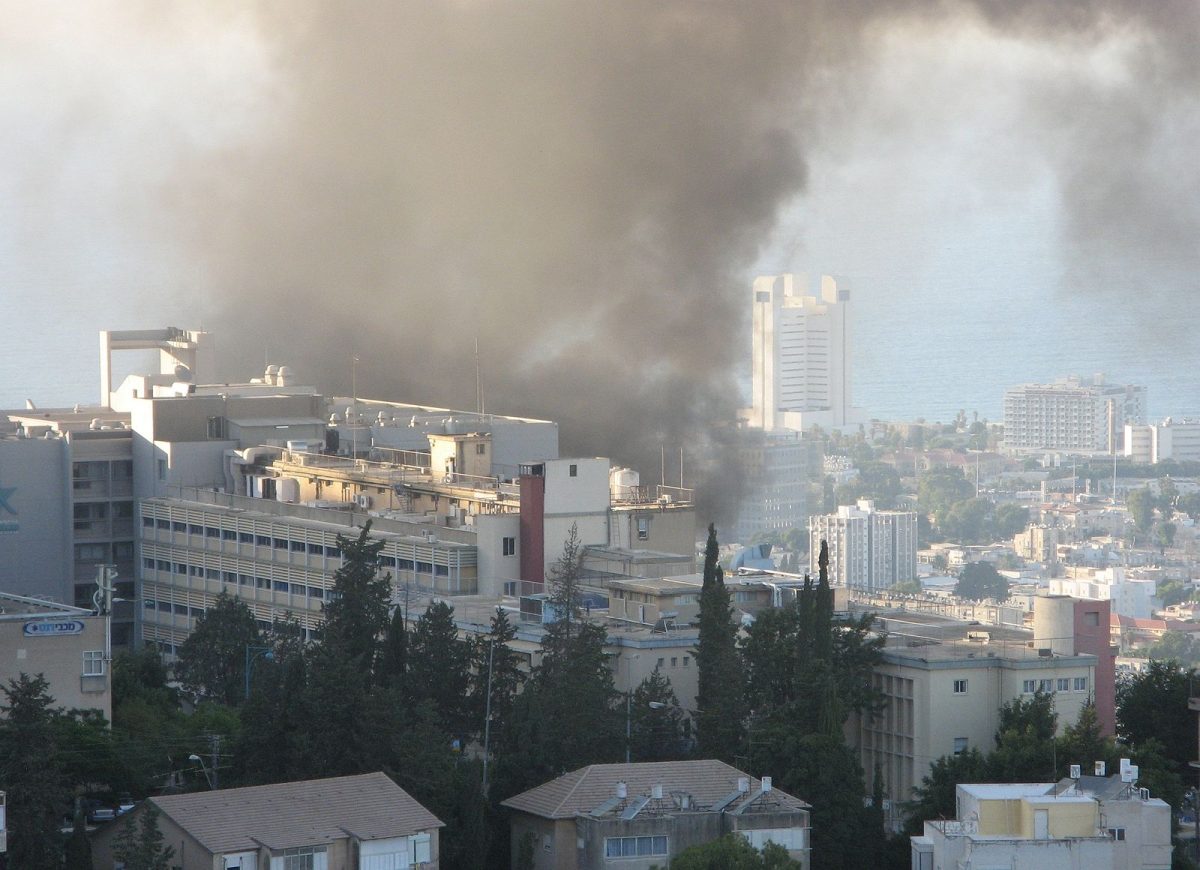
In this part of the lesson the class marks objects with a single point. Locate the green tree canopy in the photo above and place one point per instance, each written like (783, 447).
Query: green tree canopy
(140, 845)
(719, 673)
(658, 727)
(438, 669)
(1153, 705)
(1141, 503)
(38, 794)
(979, 580)
(212, 661)
(733, 852)
(357, 611)
(1010, 519)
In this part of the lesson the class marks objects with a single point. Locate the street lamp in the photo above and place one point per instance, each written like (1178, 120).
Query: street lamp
(203, 769)
(253, 653)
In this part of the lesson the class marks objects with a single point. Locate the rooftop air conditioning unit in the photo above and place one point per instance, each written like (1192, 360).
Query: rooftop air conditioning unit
(363, 500)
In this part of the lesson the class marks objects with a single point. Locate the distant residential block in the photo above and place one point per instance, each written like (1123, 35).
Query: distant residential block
(1073, 414)
(869, 549)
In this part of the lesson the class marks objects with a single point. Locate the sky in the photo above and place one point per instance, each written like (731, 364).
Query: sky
(1010, 189)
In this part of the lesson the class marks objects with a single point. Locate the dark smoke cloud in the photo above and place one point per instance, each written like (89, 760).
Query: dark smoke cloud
(584, 186)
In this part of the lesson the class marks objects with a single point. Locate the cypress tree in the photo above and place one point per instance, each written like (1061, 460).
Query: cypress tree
(719, 702)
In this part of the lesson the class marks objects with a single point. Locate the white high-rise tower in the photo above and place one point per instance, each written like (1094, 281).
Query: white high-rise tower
(801, 355)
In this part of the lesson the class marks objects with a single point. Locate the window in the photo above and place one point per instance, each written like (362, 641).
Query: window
(421, 851)
(1116, 833)
(643, 528)
(91, 552)
(685, 661)
(674, 661)
(147, 522)
(123, 550)
(480, 449)
(1045, 685)
(93, 663)
(510, 546)
(262, 540)
(573, 471)
(1081, 684)
(762, 295)
(194, 529)
(960, 745)
(960, 687)
(1064, 684)
(1092, 617)
(303, 859)
(1029, 687)
(634, 847)
(660, 662)
(162, 469)
(245, 538)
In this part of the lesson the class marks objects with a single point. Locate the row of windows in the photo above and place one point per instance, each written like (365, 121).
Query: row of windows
(674, 661)
(634, 847)
(1062, 684)
(121, 551)
(241, 537)
(231, 578)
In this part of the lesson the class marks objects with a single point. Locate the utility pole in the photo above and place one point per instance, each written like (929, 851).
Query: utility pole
(215, 740)
(487, 715)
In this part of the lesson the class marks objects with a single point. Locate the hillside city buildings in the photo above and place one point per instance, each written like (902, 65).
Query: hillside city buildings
(1073, 414)
(869, 549)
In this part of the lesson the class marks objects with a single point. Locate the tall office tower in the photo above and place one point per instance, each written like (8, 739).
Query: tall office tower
(800, 355)
(868, 549)
(1083, 415)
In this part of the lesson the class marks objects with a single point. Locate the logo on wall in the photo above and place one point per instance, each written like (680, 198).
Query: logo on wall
(7, 510)
(52, 629)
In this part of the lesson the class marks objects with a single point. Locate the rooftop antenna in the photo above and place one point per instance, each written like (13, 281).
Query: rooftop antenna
(662, 464)
(354, 390)
(681, 466)
(478, 380)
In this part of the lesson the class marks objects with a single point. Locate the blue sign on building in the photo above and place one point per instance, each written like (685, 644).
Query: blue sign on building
(53, 628)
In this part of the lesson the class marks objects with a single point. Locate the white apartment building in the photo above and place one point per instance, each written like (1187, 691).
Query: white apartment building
(1073, 414)
(1132, 596)
(945, 698)
(1150, 443)
(800, 355)
(1098, 822)
(869, 549)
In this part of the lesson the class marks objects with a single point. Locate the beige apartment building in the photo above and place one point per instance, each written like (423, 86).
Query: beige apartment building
(945, 698)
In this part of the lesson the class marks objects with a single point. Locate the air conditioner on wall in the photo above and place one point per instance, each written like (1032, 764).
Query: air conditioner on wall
(363, 500)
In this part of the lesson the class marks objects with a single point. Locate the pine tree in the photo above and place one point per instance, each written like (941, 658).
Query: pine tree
(31, 774)
(79, 848)
(357, 612)
(566, 596)
(658, 731)
(140, 844)
(393, 659)
(438, 668)
(719, 699)
(492, 655)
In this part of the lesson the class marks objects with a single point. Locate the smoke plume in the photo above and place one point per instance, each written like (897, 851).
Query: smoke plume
(584, 187)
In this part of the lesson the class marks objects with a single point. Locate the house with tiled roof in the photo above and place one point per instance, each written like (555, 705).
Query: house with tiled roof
(637, 816)
(364, 822)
